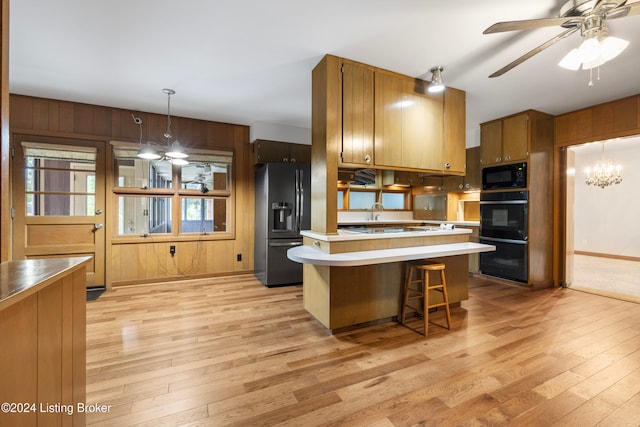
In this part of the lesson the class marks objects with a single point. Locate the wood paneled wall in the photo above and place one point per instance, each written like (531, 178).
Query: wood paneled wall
(5, 206)
(148, 260)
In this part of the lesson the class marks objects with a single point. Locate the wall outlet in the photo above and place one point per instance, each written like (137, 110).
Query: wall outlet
(172, 250)
(239, 257)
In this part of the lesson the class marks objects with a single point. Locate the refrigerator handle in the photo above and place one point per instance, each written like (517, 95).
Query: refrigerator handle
(297, 203)
(301, 192)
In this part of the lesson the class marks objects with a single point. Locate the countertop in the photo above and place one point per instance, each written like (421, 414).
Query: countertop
(346, 235)
(310, 255)
(19, 279)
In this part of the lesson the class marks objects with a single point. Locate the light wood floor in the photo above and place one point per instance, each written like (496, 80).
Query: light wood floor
(230, 352)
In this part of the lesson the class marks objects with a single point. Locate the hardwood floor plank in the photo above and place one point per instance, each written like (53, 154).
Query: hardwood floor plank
(228, 351)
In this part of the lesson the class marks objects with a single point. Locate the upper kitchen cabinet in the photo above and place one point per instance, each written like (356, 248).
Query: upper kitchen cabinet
(510, 139)
(265, 151)
(408, 123)
(472, 180)
(357, 114)
(454, 153)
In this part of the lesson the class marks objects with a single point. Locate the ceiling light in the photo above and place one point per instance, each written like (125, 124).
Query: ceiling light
(174, 150)
(596, 49)
(436, 84)
(146, 151)
(603, 173)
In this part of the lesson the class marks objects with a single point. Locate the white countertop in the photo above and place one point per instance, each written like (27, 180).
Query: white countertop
(311, 255)
(346, 235)
(380, 222)
(456, 223)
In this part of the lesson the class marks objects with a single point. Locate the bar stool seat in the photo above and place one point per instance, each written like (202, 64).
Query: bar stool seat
(421, 291)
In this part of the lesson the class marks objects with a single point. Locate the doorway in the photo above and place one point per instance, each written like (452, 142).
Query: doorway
(602, 246)
(59, 201)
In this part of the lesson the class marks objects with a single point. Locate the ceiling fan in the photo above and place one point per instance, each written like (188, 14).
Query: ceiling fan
(588, 16)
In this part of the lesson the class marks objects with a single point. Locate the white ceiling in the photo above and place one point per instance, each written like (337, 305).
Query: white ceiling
(250, 61)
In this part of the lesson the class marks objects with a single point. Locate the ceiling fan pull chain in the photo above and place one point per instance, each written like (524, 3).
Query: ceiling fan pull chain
(591, 77)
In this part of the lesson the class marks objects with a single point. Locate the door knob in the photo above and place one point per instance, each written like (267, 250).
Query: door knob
(97, 226)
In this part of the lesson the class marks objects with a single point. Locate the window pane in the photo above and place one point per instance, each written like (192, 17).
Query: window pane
(204, 215)
(393, 200)
(59, 187)
(205, 176)
(141, 173)
(361, 199)
(140, 215)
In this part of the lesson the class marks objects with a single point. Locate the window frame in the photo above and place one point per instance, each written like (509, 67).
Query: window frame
(176, 194)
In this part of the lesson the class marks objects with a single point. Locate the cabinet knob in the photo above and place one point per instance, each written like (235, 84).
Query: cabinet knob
(460, 186)
(293, 160)
(285, 160)
(467, 186)
(507, 157)
(498, 159)
(367, 158)
(447, 165)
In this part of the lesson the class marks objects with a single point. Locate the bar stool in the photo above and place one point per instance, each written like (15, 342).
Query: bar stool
(422, 291)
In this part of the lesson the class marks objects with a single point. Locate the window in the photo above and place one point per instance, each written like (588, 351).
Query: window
(394, 200)
(60, 180)
(157, 197)
(362, 199)
(357, 199)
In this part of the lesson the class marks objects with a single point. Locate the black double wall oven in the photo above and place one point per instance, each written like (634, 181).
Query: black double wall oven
(504, 219)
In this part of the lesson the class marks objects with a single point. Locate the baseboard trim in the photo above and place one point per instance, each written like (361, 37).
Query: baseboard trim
(610, 256)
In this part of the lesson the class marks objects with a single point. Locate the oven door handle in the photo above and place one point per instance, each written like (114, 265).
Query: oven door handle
(493, 239)
(504, 202)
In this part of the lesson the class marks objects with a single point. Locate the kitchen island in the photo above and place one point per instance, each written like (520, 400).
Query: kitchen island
(355, 278)
(43, 335)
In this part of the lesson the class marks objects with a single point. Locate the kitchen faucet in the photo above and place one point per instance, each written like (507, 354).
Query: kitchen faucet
(373, 207)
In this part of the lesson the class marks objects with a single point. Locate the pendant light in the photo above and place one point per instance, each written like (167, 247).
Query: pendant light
(146, 151)
(175, 152)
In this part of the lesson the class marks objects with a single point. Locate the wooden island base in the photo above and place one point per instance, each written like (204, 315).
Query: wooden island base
(345, 297)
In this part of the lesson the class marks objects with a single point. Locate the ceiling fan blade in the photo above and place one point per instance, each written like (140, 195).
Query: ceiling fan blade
(528, 24)
(625, 10)
(534, 52)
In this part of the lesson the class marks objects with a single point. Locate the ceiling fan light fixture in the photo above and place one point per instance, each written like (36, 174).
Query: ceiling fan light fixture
(589, 49)
(571, 60)
(611, 47)
(436, 84)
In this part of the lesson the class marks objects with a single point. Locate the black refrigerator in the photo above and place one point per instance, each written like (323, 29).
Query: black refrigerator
(283, 208)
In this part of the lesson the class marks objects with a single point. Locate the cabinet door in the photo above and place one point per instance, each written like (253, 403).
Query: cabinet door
(454, 157)
(473, 176)
(300, 153)
(357, 114)
(271, 152)
(421, 127)
(515, 138)
(388, 123)
(453, 183)
(491, 143)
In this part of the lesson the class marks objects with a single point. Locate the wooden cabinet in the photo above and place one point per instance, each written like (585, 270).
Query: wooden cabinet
(472, 180)
(357, 114)
(454, 153)
(406, 178)
(265, 151)
(408, 124)
(505, 140)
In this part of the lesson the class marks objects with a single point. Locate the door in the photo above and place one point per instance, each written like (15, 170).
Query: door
(59, 201)
(357, 114)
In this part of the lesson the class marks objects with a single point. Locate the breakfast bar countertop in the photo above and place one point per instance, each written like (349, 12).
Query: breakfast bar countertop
(310, 255)
(346, 234)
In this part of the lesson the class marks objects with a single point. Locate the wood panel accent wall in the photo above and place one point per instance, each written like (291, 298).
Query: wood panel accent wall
(148, 261)
(5, 188)
(615, 119)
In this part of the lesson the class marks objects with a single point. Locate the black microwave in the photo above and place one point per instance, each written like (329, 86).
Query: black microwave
(504, 176)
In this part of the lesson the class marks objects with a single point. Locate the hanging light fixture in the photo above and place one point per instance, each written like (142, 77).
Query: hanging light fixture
(597, 46)
(175, 152)
(436, 84)
(146, 151)
(603, 173)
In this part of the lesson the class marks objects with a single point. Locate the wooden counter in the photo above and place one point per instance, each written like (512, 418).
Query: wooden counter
(43, 336)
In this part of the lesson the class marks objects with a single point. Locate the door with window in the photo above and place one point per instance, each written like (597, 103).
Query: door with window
(59, 201)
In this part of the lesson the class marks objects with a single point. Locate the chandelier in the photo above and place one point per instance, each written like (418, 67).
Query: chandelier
(603, 173)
